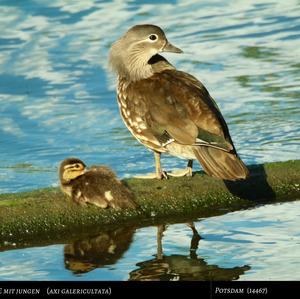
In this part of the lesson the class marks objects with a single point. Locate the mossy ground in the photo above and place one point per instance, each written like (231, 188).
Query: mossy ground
(47, 214)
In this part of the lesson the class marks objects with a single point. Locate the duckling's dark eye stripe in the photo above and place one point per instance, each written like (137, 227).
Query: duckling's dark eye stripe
(70, 166)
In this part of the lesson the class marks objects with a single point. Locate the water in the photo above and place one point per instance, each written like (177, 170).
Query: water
(57, 100)
(256, 244)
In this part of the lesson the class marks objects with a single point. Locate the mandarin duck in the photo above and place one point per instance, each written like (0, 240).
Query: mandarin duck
(168, 110)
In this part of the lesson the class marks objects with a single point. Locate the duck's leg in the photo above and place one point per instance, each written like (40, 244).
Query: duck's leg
(159, 173)
(195, 240)
(160, 230)
(188, 171)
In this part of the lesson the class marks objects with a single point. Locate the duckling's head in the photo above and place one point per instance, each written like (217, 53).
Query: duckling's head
(70, 169)
(129, 56)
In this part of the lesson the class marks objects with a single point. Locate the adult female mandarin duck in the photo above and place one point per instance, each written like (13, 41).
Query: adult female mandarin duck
(170, 111)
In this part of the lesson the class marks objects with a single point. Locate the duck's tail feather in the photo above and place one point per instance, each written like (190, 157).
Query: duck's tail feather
(221, 164)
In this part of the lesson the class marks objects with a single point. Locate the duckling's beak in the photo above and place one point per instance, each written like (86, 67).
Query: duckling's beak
(170, 48)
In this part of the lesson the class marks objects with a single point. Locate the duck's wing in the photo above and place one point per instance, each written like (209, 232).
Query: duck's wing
(87, 190)
(180, 109)
(117, 194)
(99, 186)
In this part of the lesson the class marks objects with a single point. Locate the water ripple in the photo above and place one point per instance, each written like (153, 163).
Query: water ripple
(57, 94)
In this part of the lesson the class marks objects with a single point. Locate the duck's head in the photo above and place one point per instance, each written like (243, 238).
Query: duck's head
(129, 56)
(70, 169)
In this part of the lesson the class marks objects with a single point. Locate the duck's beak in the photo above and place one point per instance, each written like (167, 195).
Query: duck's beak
(170, 48)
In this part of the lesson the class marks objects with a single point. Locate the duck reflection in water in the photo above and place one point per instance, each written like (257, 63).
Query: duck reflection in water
(181, 267)
(103, 249)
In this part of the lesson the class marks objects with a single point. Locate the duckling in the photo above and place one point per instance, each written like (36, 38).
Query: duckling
(97, 185)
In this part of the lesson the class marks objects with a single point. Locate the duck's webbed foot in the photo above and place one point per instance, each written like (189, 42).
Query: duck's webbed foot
(161, 175)
(188, 171)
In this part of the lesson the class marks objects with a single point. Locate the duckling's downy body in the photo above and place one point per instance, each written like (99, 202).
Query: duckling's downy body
(97, 185)
(170, 111)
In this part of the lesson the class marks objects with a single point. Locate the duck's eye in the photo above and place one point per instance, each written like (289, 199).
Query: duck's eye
(153, 37)
(77, 166)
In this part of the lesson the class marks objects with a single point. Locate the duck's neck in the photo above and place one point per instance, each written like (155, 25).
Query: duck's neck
(136, 67)
(159, 64)
(140, 69)
(134, 70)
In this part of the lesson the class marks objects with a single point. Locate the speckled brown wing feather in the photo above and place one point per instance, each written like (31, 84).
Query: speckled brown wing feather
(172, 102)
(134, 110)
(176, 104)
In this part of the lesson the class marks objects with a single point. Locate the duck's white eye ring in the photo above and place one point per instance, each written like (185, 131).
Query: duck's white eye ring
(153, 37)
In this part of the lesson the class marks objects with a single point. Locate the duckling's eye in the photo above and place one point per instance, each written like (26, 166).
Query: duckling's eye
(77, 166)
(153, 37)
